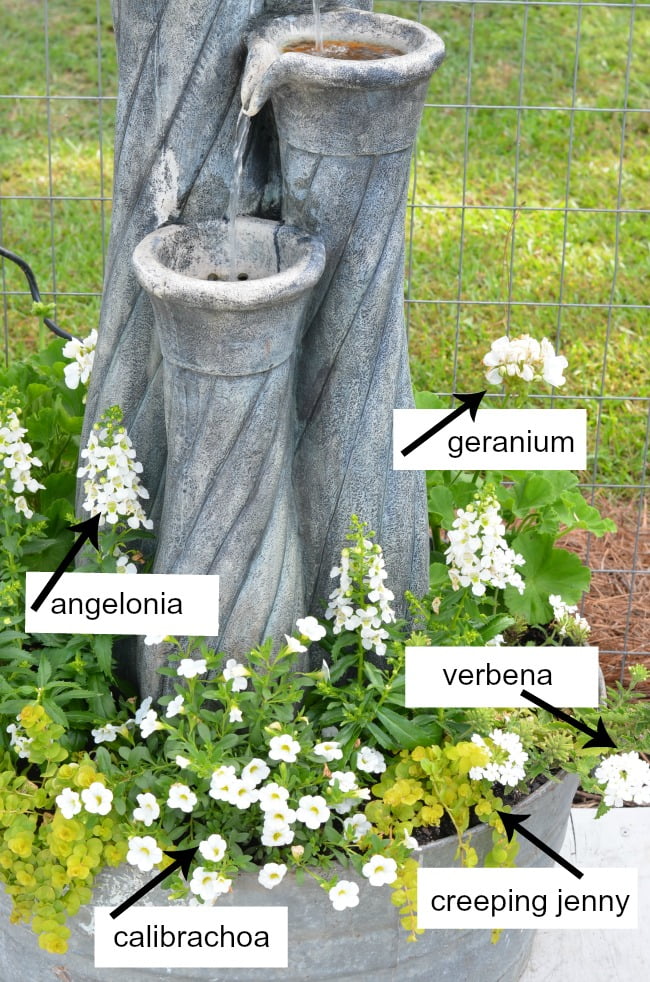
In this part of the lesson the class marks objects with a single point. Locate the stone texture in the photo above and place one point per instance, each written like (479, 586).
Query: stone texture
(229, 356)
(346, 131)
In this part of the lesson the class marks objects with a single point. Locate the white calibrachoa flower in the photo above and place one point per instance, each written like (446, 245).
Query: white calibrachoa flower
(371, 761)
(189, 668)
(69, 803)
(344, 894)
(525, 358)
(356, 826)
(380, 870)
(626, 777)
(277, 837)
(97, 799)
(112, 486)
(208, 885)
(213, 848)
(235, 715)
(144, 852)
(175, 707)
(285, 748)
(312, 811)
(278, 818)
(329, 750)
(271, 875)
(236, 673)
(83, 353)
(478, 555)
(310, 628)
(181, 797)
(242, 795)
(344, 780)
(255, 772)
(505, 761)
(222, 783)
(16, 463)
(272, 795)
(148, 809)
(182, 762)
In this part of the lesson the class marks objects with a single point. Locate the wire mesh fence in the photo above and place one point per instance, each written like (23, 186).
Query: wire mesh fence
(528, 212)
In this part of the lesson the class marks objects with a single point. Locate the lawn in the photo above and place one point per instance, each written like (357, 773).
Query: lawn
(523, 219)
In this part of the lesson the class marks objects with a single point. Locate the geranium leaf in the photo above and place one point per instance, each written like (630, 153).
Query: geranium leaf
(547, 570)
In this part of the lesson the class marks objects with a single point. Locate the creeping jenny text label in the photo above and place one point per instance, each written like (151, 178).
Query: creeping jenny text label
(115, 603)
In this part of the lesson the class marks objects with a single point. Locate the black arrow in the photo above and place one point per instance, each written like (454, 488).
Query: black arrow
(182, 859)
(470, 400)
(599, 737)
(89, 530)
(513, 823)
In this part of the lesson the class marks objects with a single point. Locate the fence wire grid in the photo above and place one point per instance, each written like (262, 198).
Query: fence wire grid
(527, 212)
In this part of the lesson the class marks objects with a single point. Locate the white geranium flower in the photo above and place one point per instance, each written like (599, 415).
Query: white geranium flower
(208, 885)
(271, 875)
(83, 353)
(344, 894)
(144, 852)
(312, 811)
(69, 803)
(525, 358)
(310, 628)
(181, 797)
(189, 668)
(213, 848)
(97, 799)
(380, 870)
(284, 747)
(329, 750)
(148, 809)
(236, 672)
(175, 707)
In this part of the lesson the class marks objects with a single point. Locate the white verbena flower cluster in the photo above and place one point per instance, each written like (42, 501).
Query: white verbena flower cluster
(478, 555)
(626, 777)
(16, 462)
(567, 618)
(374, 610)
(524, 358)
(82, 354)
(112, 486)
(506, 759)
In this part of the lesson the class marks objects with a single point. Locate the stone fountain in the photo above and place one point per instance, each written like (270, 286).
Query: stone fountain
(262, 408)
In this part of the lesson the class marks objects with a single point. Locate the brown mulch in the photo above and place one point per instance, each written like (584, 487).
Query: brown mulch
(618, 604)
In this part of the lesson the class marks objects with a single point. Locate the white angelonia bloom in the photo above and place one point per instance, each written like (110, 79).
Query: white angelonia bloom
(329, 750)
(371, 761)
(175, 707)
(181, 797)
(105, 734)
(83, 354)
(294, 645)
(142, 710)
(525, 358)
(235, 715)
(380, 870)
(370, 617)
(208, 885)
(189, 668)
(310, 628)
(144, 852)
(97, 799)
(284, 747)
(344, 894)
(112, 486)
(122, 565)
(19, 739)
(356, 826)
(505, 761)
(68, 803)
(271, 875)
(236, 673)
(478, 555)
(312, 811)
(16, 462)
(625, 777)
(149, 724)
(213, 848)
(148, 809)
(152, 639)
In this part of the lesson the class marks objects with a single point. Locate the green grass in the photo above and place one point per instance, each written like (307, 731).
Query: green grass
(575, 256)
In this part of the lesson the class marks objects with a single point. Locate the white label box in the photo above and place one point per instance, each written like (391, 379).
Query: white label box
(467, 677)
(453, 899)
(119, 603)
(192, 937)
(499, 439)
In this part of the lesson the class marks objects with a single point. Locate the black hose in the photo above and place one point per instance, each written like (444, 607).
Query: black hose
(33, 289)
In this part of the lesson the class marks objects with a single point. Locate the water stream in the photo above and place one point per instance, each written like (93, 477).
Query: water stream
(318, 28)
(242, 130)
